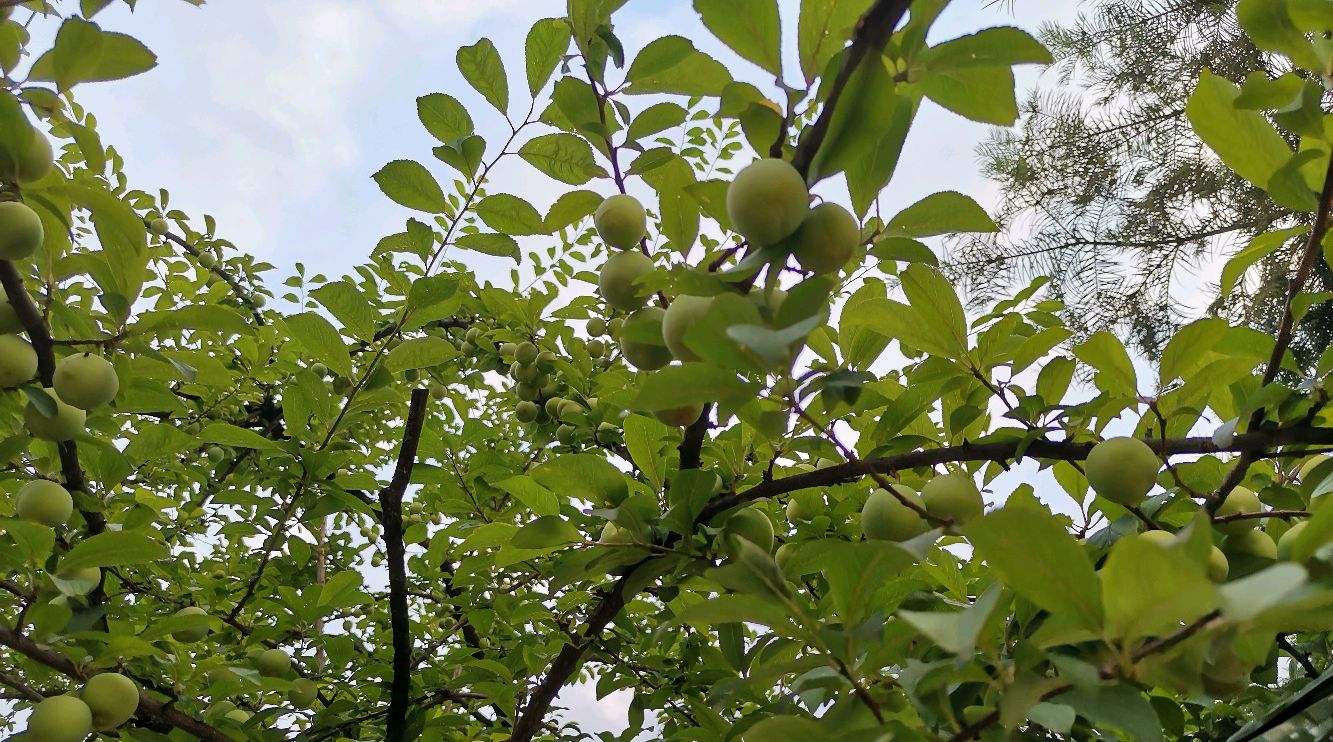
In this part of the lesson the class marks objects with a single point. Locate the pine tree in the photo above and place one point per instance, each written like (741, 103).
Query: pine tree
(1106, 188)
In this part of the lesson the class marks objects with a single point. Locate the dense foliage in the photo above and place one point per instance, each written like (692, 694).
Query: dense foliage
(735, 452)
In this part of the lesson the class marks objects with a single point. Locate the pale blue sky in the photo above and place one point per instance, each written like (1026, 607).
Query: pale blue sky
(271, 115)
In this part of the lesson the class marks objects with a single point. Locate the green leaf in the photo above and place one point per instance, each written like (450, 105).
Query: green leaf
(1149, 590)
(565, 157)
(751, 28)
(510, 215)
(33, 540)
(1002, 46)
(428, 291)
(936, 307)
(317, 337)
(984, 94)
(410, 184)
(643, 435)
(1030, 551)
(956, 631)
(690, 383)
(1259, 248)
(114, 549)
(423, 352)
(535, 497)
(583, 476)
(1115, 371)
(230, 435)
(904, 250)
(483, 69)
(855, 571)
(545, 532)
(444, 117)
(491, 243)
(1117, 706)
(547, 42)
(671, 64)
(343, 588)
(571, 208)
(1244, 140)
(1249, 596)
(1269, 24)
(655, 118)
(947, 212)
(823, 30)
(735, 608)
(83, 52)
(349, 306)
(464, 155)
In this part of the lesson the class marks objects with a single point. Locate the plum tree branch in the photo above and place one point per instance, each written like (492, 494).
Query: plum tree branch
(391, 515)
(1285, 333)
(217, 270)
(149, 707)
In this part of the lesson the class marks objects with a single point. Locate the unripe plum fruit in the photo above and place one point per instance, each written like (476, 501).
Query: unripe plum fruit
(680, 416)
(1239, 500)
(826, 239)
(273, 663)
(1253, 543)
(614, 535)
(767, 200)
(1122, 470)
(525, 412)
(63, 426)
(804, 506)
(159, 227)
(1160, 538)
(21, 231)
(596, 327)
(191, 634)
(303, 694)
(526, 353)
(885, 518)
(1218, 566)
(34, 161)
(112, 698)
(43, 501)
(752, 525)
(18, 361)
(60, 719)
(621, 221)
(9, 319)
(1287, 542)
(784, 554)
(685, 312)
(86, 381)
(953, 496)
(644, 355)
(618, 282)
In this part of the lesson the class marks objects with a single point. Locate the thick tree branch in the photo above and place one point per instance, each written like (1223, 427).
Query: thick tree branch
(391, 515)
(1286, 331)
(149, 707)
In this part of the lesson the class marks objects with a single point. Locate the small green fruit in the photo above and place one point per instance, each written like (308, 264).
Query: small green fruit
(304, 693)
(767, 201)
(36, 160)
(86, 381)
(546, 361)
(613, 326)
(826, 239)
(60, 719)
(596, 327)
(684, 313)
(159, 227)
(1218, 566)
(644, 355)
(9, 319)
(565, 435)
(885, 518)
(803, 507)
(680, 417)
(508, 350)
(596, 348)
(525, 411)
(752, 525)
(18, 361)
(619, 280)
(553, 406)
(1253, 543)
(65, 425)
(1239, 500)
(438, 391)
(20, 231)
(621, 221)
(1122, 470)
(190, 635)
(1287, 542)
(273, 663)
(784, 554)
(954, 497)
(526, 353)
(319, 369)
(45, 502)
(1163, 539)
(112, 698)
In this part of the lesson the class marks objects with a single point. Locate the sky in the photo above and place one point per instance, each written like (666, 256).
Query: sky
(271, 115)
